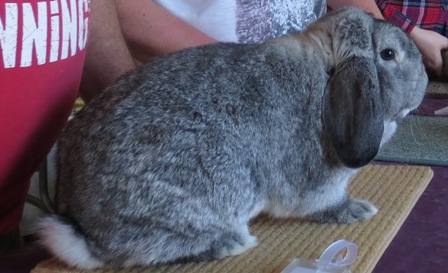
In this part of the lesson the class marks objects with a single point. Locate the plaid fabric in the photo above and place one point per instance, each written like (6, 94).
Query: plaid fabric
(431, 15)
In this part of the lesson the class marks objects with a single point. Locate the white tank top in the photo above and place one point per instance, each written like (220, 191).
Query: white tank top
(246, 21)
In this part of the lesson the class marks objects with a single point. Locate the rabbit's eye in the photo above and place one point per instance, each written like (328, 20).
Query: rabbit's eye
(387, 54)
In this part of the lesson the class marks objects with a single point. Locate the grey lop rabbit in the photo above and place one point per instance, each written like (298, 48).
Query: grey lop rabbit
(171, 162)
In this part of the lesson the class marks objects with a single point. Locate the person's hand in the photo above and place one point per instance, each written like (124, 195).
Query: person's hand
(430, 44)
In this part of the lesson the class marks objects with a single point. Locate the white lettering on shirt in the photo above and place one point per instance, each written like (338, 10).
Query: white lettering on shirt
(83, 7)
(8, 35)
(54, 36)
(34, 34)
(37, 33)
(69, 31)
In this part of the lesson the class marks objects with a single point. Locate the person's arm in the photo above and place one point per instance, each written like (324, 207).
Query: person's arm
(150, 30)
(107, 54)
(430, 44)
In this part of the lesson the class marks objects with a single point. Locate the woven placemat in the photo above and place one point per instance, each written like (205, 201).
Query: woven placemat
(437, 89)
(393, 189)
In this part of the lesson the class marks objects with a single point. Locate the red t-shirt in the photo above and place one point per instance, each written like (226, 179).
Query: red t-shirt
(42, 51)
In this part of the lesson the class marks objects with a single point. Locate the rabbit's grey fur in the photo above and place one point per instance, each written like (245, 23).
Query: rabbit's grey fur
(170, 163)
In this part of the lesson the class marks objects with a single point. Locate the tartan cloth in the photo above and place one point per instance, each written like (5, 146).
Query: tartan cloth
(431, 15)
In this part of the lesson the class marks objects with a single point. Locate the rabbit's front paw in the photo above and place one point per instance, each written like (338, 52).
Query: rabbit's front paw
(350, 211)
(233, 247)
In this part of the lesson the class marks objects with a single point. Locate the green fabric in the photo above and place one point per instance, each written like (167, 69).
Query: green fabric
(418, 140)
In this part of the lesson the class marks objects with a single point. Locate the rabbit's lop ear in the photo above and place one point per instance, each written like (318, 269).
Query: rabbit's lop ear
(353, 108)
